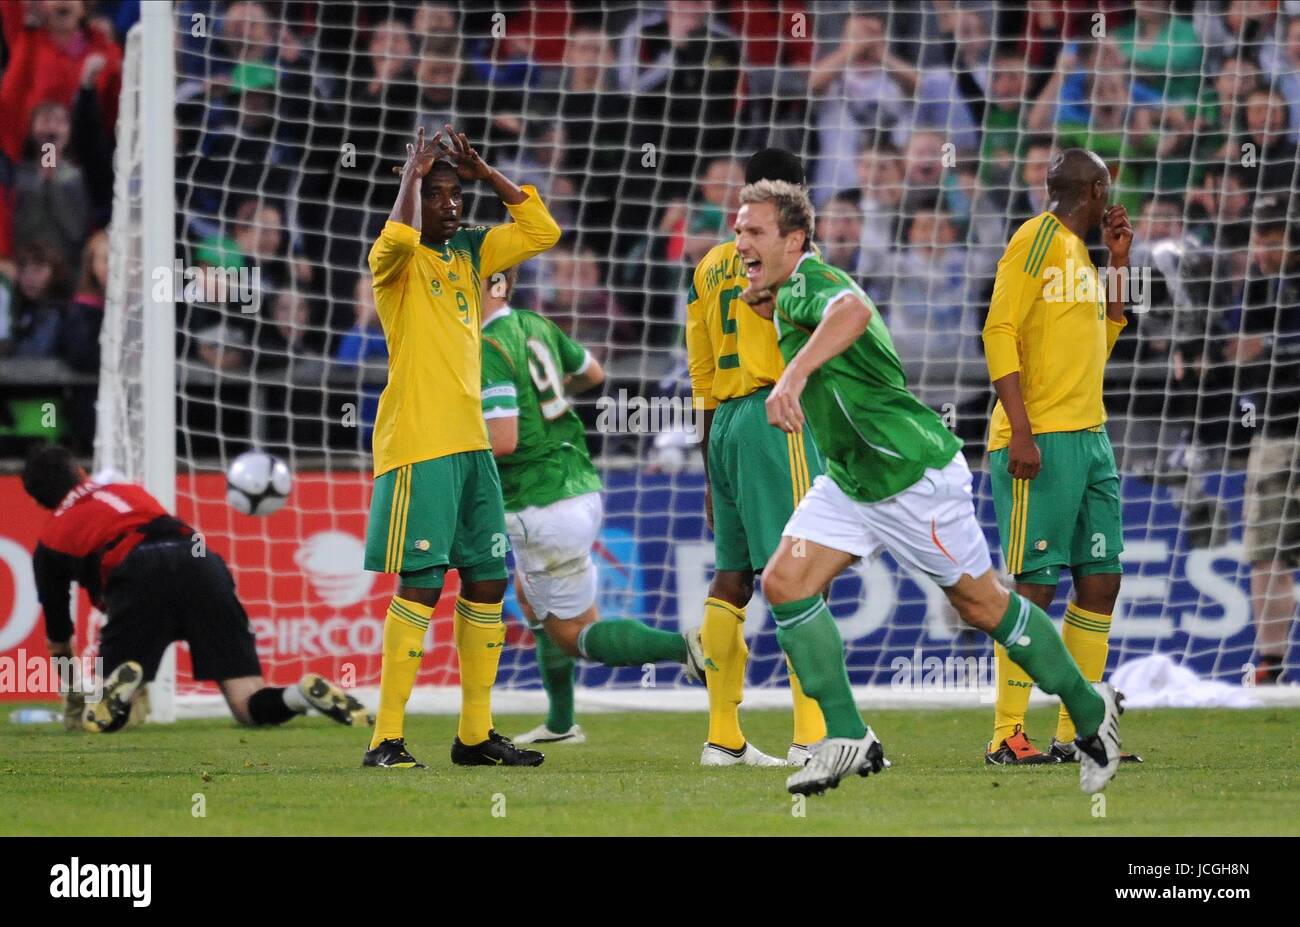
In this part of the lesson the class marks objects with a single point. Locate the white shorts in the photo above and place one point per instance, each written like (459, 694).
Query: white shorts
(929, 527)
(552, 546)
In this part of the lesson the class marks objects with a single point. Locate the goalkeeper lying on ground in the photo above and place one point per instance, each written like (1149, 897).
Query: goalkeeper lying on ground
(142, 568)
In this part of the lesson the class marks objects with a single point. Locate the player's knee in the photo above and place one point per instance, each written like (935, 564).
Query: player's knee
(1097, 592)
(484, 590)
(420, 594)
(733, 587)
(783, 584)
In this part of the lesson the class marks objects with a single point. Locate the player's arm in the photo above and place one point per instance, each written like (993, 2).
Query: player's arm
(845, 319)
(579, 369)
(55, 572)
(701, 364)
(533, 230)
(589, 376)
(1117, 236)
(500, 398)
(1015, 288)
(400, 238)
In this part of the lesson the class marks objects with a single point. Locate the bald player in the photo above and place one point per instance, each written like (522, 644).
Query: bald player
(755, 476)
(1049, 332)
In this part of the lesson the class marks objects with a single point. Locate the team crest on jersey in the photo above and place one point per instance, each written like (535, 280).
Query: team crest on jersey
(452, 276)
(437, 287)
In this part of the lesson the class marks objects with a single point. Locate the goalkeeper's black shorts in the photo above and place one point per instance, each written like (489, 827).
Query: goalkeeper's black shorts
(163, 593)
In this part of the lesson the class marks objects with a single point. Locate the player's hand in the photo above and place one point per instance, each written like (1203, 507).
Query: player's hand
(1116, 233)
(1024, 460)
(762, 301)
(73, 705)
(469, 163)
(421, 155)
(708, 504)
(783, 408)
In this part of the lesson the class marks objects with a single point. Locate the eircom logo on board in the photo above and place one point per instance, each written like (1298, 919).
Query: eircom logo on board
(103, 880)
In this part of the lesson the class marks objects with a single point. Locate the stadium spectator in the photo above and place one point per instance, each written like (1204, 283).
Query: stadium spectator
(576, 300)
(1237, 27)
(1029, 196)
(880, 176)
(681, 72)
(839, 233)
(39, 294)
(1267, 353)
(49, 192)
(434, 18)
(864, 96)
(1049, 26)
(1269, 138)
(1287, 74)
(931, 308)
(364, 341)
(594, 114)
(1163, 49)
(695, 225)
(79, 339)
(1002, 118)
(48, 46)
(923, 170)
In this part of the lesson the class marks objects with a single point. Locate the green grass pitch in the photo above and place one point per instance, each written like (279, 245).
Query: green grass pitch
(1207, 772)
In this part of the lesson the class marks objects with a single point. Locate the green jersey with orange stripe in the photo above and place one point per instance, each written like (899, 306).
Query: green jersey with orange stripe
(877, 438)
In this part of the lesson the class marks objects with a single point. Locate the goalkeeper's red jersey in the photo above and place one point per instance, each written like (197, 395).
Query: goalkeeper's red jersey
(90, 534)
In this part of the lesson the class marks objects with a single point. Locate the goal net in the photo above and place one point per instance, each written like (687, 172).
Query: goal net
(926, 130)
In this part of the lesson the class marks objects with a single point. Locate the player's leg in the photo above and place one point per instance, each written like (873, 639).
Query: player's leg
(131, 644)
(478, 550)
(409, 532)
(1035, 524)
(825, 534)
(1272, 543)
(556, 668)
(1095, 567)
(931, 527)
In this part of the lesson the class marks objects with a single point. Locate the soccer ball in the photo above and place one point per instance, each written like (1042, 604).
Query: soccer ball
(257, 483)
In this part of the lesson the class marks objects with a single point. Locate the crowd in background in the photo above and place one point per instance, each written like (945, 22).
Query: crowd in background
(927, 129)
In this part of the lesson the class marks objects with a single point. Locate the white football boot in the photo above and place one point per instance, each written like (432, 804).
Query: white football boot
(694, 665)
(1099, 754)
(748, 755)
(798, 754)
(544, 735)
(834, 758)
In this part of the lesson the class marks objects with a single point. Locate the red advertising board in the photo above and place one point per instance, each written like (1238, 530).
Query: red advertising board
(312, 607)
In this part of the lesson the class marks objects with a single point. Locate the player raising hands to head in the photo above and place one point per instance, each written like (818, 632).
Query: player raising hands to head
(437, 499)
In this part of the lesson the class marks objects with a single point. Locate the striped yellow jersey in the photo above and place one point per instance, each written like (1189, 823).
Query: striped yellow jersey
(428, 302)
(1047, 320)
(730, 349)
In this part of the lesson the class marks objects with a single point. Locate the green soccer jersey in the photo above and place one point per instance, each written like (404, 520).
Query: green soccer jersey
(877, 438)
(525, 360)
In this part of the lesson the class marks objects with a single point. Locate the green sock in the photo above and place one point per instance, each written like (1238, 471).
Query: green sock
(624, 642)
(810, 638)
(557, 679)
(1033, 645)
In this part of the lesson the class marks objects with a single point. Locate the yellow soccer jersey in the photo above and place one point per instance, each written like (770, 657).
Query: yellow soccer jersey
(730, 349)
(428, 302)
(1047, 320)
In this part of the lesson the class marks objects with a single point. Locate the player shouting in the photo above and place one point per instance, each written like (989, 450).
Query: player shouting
(896, 480)
(437, 499)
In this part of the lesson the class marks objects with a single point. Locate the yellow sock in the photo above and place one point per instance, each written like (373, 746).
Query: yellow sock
(404, 627)
(809, 725)
(480, 636)
(1013, 690)
(1087, 637)
(725, 656)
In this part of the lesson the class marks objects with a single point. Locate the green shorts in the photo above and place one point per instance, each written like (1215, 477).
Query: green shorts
(1069, 515)
(435, 514)
(758, 474)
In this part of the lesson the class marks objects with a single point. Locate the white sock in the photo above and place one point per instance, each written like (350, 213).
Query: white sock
(294, 700)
